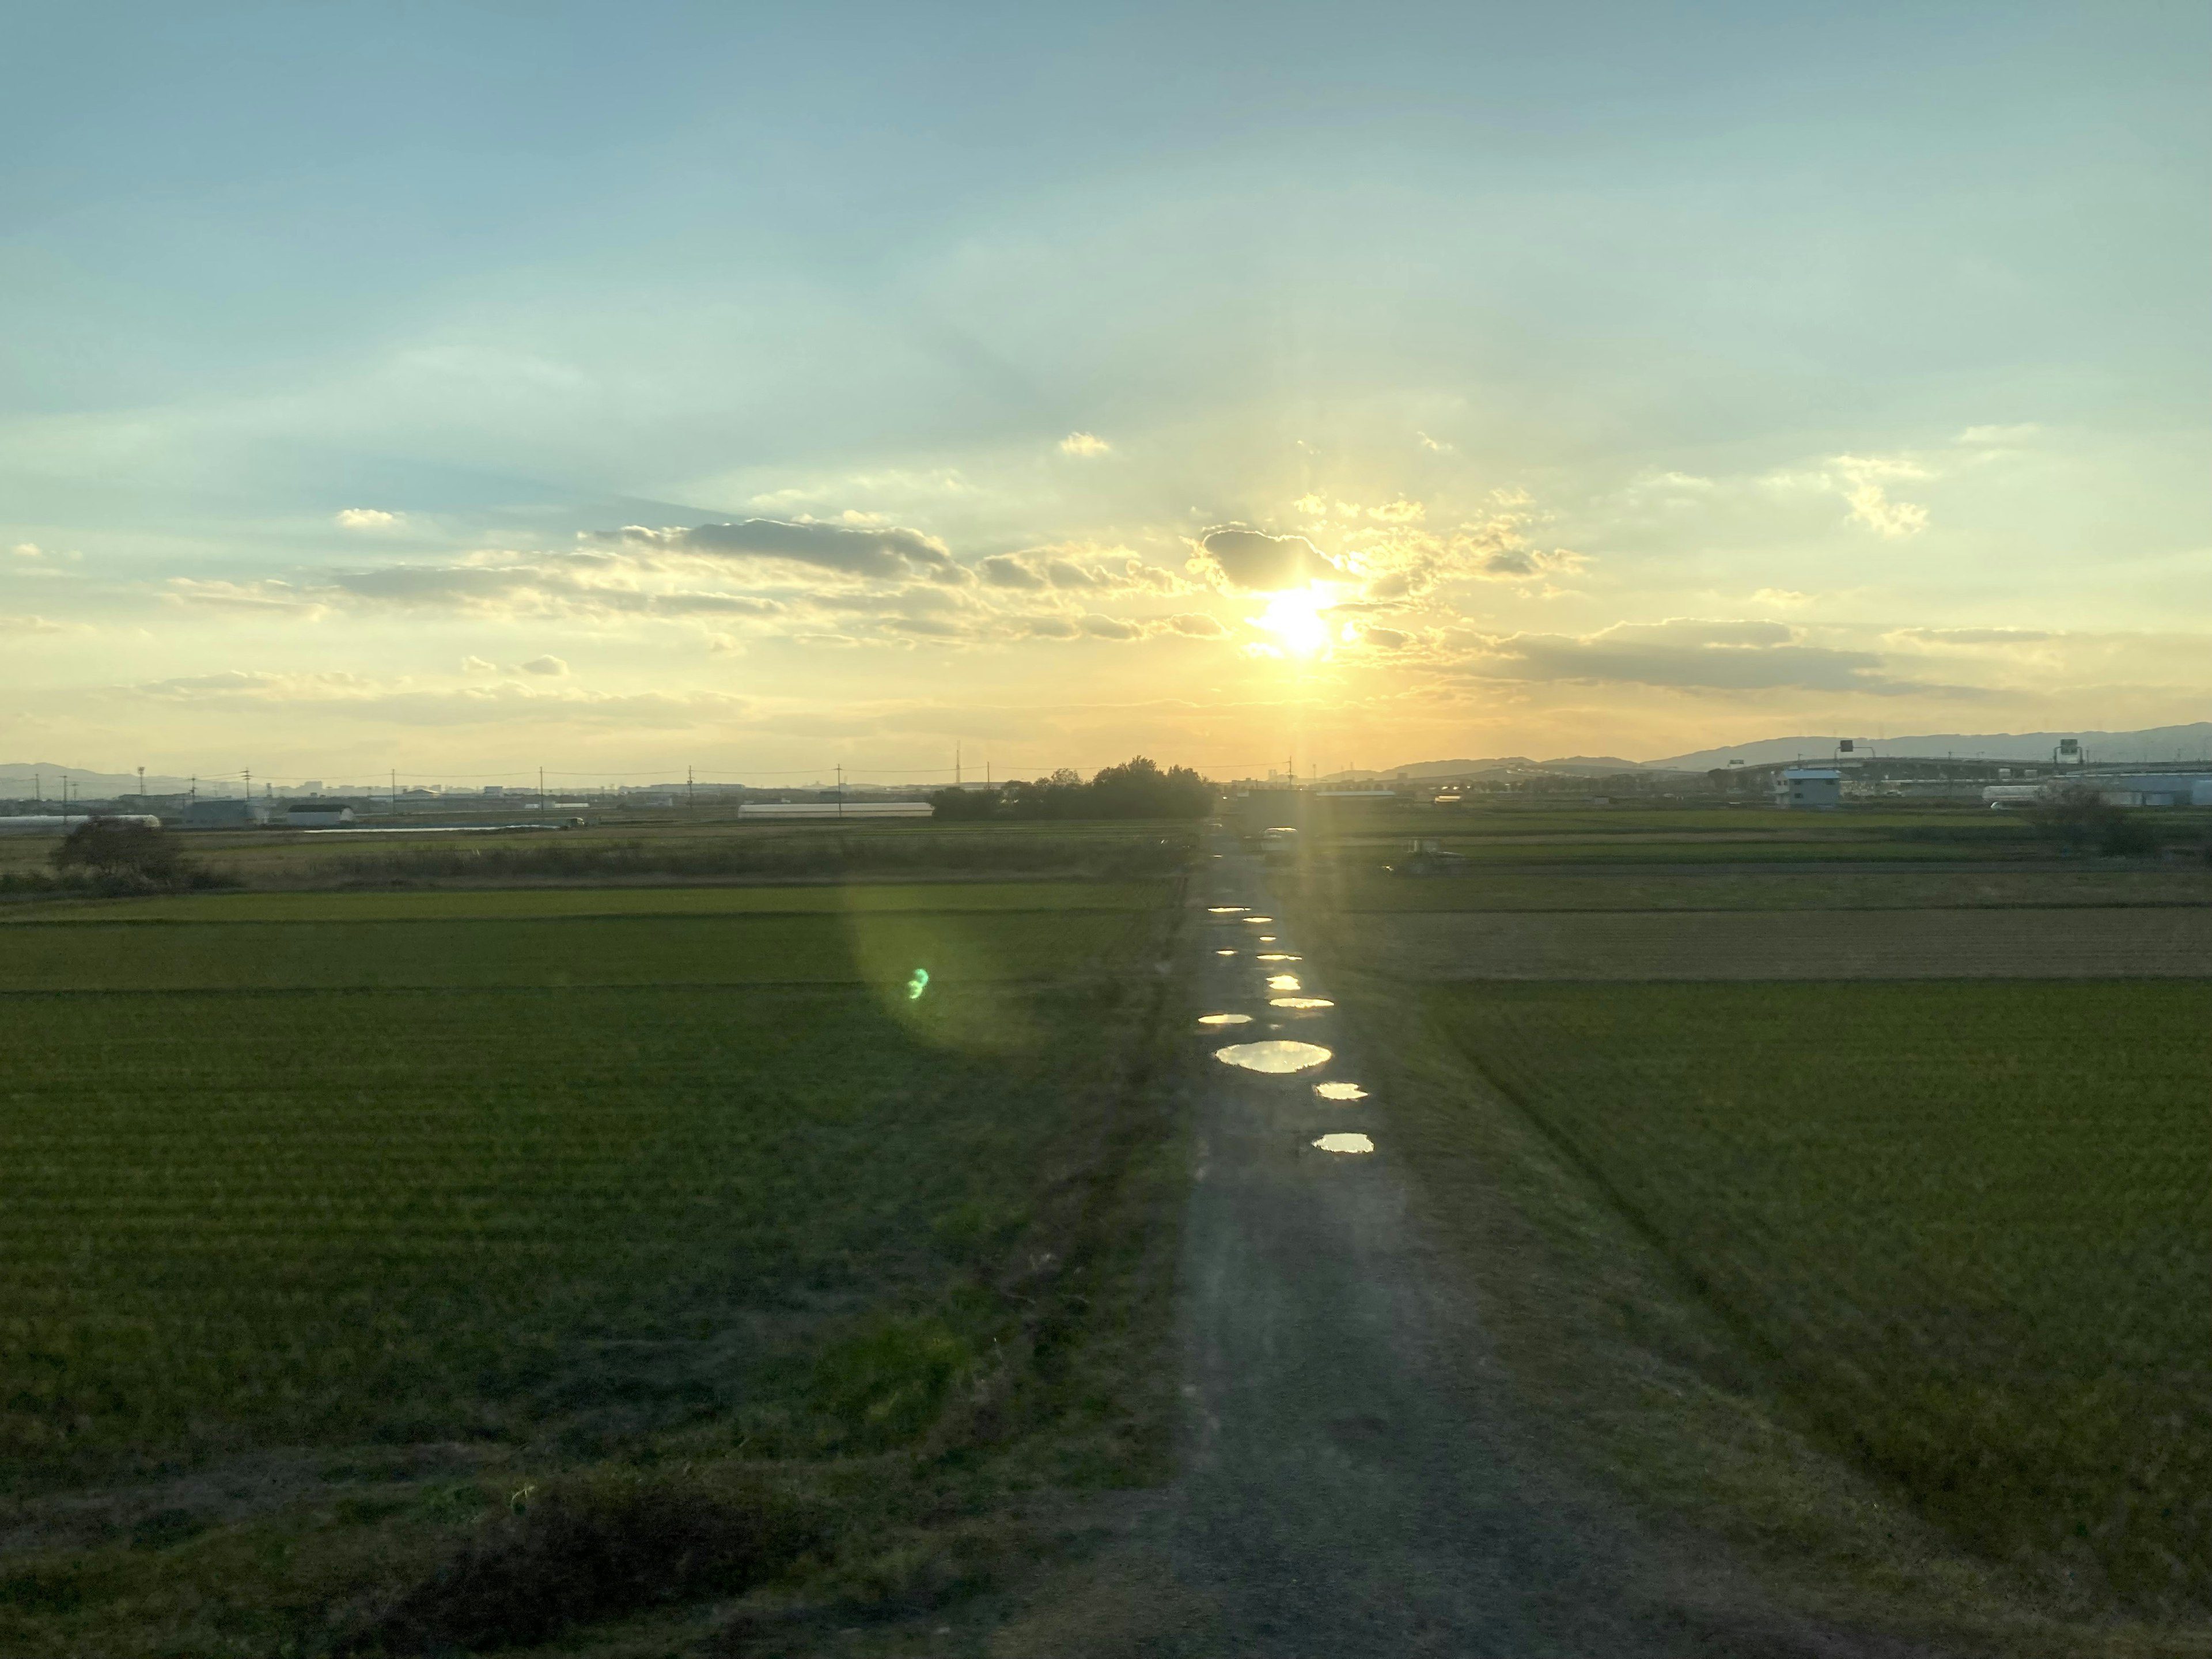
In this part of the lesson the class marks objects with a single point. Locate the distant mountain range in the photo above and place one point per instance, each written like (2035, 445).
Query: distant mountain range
(44, 778)
(1596, 766)
(2157, 743)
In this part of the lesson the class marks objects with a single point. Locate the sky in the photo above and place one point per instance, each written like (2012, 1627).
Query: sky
(466, 389)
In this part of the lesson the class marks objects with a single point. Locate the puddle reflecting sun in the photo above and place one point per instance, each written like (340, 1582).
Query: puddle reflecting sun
(1300, 1002)
(1276, 1057)
(1224, 1019)
(1339, 1091)
(1350, 1143)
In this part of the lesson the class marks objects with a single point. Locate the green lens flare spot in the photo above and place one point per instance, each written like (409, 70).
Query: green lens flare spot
(917, 985)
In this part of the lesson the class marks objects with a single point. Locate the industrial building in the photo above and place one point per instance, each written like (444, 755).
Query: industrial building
(1809, 788)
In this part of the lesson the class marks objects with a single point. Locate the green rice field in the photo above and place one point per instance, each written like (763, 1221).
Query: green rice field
(1969, 1223)
(544, 1179)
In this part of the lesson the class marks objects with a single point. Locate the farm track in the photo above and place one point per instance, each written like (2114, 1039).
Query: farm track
(2141, 942)
(1360, 1478)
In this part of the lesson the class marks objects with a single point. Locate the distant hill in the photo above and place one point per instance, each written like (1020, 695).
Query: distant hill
(1584, 765)
(2157, 743)
(45, 777)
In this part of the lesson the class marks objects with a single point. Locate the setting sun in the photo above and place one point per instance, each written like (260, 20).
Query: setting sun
(1295, 617)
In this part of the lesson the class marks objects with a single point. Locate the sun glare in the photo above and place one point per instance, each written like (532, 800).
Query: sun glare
(1294, 617)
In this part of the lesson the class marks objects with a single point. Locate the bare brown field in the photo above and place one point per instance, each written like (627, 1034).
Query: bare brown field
(2078, 943)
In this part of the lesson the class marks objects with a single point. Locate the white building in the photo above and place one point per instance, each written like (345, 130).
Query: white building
(1816, 788)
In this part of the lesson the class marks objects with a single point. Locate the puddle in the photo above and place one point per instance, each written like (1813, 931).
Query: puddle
(1224, 953)
(1276, 1057)
(1226, 909)
(1266, 938)
(1224, 1019)
(1260, 920)
(1284, 982)
(1345, 1143)
(1278, 955)
(1339, 1091)
(1300, 1002)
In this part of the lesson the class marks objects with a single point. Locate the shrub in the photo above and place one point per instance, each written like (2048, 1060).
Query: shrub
(117, 859)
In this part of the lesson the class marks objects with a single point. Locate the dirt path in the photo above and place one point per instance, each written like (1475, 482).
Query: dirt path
(1358, 1480)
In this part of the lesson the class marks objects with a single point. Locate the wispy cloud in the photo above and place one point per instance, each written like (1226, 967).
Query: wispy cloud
(1690, 653)
(365, 517)
(1084, 444)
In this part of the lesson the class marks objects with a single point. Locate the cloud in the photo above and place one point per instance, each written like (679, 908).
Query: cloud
(474, 665)
(547, 664)
(1111, 627)
(1010, 570)
(266, 596)
(885, 552)
(1691, 654)
(1865, 487)
(1197, 624)
(2026, 432)
(1389, 639)
(29, 625)
(1974, 636)
(1431, 444)
(1257, 562)
(28, 550)
(365, 517)
(1892, 520)
(1084, 443)
(355, 696)
(1784, 599)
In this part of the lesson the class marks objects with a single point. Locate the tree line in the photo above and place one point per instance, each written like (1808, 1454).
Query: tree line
(1140, 788)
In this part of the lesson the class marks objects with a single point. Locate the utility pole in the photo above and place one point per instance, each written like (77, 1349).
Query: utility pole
(249, 795)
(541, 789)
(956, 765)
(142, 788)
(690, 792)
(841, 789)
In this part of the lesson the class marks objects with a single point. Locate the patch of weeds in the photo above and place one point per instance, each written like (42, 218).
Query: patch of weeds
(457, 1505)
(44, 1589)
(368, 1511)
(597, 1550)
(166, 1529)
(977, 1230)
(886, 1386)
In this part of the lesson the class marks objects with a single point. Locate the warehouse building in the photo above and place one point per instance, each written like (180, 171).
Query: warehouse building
(1809, 788)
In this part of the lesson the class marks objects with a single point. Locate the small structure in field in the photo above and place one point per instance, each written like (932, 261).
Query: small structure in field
(1428, 859)
(318, 815)
(1814, 788)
